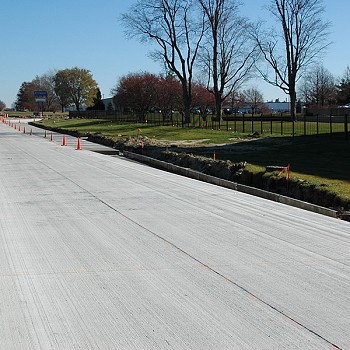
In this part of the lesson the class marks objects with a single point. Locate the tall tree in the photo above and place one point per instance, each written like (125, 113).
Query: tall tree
(98, 104)
(2, 105)
(76, 85)
(343, 89)
(62, 89)
(229, 53)
(25, 97)
(137, 92)
(294, 45)
(318, 87)
(174, 27)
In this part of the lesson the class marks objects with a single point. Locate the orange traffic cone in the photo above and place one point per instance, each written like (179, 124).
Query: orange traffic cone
(214, 155)
(24, 130)
(79, 144)
(19, 127)
(51, 137)
(64, 141)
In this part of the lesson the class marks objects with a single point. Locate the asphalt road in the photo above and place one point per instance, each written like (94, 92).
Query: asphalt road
(98, 252)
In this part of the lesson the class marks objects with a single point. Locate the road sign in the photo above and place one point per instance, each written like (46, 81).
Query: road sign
(40, 96)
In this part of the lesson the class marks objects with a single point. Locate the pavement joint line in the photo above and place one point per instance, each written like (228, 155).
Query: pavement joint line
(206, 266)
(245, 290)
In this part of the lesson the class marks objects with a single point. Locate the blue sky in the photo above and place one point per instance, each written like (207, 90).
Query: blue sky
(37, 36)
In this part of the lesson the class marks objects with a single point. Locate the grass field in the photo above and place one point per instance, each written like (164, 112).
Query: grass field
(319, 159)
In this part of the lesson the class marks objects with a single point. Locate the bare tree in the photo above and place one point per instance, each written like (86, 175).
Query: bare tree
(229, 53)
(254, 97)
(301, 38)
(2, 105)
(46, 83)
(318, 87)
(174, 26)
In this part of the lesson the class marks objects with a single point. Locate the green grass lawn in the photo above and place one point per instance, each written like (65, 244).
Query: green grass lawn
(118, 130)
(320, 159)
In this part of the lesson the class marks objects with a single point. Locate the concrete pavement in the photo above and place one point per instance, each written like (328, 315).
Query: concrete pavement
(98, 252)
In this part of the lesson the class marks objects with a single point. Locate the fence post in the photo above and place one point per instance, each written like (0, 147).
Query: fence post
(346, 127)
(271, 124)
(281, 125)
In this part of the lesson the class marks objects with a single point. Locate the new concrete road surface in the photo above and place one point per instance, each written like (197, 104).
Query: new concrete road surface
(98, 252)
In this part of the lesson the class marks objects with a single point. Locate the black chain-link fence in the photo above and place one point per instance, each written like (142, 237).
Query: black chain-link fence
(280, 124)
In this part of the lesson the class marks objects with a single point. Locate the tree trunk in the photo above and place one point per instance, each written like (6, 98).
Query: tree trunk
(187, 101)
(187, 111)
(293, 104)
(218, 105)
